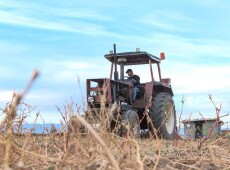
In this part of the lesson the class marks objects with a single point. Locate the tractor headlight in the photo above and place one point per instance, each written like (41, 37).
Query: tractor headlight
(91, 99)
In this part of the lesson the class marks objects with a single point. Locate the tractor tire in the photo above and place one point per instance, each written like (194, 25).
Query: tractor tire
(131, 119)
(163, 115)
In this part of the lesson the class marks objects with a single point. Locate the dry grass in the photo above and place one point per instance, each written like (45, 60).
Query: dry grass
(101, 149)
(107, 151)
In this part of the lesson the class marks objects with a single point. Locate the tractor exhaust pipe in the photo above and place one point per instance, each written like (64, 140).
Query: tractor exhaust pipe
(115, 62)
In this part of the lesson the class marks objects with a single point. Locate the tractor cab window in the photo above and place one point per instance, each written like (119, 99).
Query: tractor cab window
(143, 71)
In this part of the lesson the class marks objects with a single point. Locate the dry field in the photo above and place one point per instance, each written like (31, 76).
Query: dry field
(99, 148)
(85, 147)
(103, 150)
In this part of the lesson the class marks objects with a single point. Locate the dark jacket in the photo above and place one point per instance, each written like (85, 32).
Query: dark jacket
(135, 80)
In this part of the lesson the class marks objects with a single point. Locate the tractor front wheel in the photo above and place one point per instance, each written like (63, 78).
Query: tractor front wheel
(131, 124)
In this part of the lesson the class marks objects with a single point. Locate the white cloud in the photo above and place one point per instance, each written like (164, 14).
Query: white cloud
(41, 96)
(72, 65)
(5, 96)
(80, 13)
(187, 48)
(15, 18)
(167, 20)
(69, 71)
(190, 78)
(33, 7)
(15, 4)
(37, 96)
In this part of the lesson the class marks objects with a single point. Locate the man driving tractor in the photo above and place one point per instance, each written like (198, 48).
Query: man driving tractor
(135, 79)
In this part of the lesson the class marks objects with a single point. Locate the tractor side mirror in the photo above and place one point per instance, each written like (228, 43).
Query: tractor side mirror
(162, 55)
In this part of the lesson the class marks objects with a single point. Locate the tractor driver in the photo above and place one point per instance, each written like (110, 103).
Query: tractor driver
(135, 79)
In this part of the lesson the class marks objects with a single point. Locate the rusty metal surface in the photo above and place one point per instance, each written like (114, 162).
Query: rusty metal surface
(107, 84)
(104, 89)
(149, 90)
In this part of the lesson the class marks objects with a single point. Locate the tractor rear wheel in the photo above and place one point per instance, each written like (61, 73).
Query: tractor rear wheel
(163, 115)
(131, 119)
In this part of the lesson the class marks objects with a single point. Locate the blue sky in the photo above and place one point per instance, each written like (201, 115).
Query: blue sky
(66, 41)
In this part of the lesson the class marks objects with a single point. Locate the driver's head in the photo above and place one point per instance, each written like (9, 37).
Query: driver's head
(129, 72)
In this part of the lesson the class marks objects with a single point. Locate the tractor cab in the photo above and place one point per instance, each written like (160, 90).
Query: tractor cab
(127, 59)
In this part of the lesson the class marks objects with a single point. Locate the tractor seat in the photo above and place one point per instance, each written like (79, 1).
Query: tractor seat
(141, 93)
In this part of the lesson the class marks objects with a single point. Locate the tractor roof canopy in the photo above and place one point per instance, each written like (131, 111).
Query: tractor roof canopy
(133, 58)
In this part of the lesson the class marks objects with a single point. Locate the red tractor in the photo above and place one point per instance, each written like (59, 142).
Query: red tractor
(154, 97)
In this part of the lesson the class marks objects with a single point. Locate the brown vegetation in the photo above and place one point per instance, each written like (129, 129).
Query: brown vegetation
(87, 148)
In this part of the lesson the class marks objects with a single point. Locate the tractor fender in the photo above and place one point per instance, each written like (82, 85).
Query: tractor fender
(158, 87)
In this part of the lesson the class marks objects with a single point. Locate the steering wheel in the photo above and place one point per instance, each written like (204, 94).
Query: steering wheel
(126, 77)
(127, 80)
